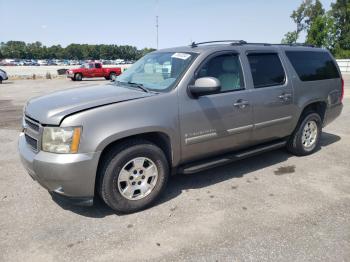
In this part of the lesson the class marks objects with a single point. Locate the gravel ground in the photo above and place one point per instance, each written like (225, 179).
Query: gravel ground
(273, 207)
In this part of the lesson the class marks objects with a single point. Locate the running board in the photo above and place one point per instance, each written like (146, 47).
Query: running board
(229, 158)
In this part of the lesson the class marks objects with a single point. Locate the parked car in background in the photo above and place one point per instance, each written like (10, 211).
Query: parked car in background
(3, 76)
(51, 62)
(42, 62)
(90, 70)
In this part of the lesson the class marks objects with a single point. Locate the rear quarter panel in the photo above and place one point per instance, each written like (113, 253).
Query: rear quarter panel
(308, 92)
(108, 70)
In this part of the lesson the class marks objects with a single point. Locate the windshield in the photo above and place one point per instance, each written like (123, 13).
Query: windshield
(157, 71)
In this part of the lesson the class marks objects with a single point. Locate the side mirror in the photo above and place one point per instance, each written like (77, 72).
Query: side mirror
(205, 86)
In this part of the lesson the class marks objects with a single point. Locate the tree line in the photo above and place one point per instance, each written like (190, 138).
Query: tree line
(323, 28)
(36, 50)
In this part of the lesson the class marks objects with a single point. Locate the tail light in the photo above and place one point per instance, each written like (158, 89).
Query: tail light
(342, 90)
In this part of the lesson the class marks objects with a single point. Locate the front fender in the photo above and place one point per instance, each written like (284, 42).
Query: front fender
(107, 124)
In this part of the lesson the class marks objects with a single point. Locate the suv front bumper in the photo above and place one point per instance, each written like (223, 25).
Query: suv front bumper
(69, 175)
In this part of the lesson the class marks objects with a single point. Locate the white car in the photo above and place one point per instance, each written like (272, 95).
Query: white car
(3, 76)
(42, 62)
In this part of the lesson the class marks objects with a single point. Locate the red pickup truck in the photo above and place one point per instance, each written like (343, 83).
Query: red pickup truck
(94, 69)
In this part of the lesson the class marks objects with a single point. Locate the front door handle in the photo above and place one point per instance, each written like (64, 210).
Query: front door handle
(240, 103)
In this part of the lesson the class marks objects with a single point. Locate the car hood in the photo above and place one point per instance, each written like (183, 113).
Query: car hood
(51, 109)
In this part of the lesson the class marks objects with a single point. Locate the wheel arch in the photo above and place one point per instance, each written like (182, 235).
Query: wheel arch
(316, 106)
(160, 139)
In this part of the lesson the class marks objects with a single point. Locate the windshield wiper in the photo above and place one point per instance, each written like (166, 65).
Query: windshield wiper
(140, 86)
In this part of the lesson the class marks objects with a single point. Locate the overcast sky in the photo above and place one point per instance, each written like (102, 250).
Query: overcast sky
(133, 22)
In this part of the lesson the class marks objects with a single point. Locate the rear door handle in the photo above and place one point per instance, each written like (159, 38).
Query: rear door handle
(285, 97)
(240, 103)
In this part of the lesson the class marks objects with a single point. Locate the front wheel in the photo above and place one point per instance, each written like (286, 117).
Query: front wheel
(133, 175)
(306, 137)
(78, 77)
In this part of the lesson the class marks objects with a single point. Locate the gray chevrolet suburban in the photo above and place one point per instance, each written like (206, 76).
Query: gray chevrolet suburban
(178, 110)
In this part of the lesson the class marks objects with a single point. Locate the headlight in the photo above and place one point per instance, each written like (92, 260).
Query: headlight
(61, 139)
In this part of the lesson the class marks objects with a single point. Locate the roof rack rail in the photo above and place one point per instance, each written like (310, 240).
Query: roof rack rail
(242, 42)
(233, 42)
(295, 44)
(266, 44)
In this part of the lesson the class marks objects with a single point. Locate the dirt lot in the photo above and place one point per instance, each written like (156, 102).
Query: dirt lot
(273, 207)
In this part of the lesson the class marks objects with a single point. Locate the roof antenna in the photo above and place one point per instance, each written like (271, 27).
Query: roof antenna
(157, 25)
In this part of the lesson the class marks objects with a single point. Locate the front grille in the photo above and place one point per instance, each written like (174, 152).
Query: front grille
(32, 131)
(32, 142)
(32, 125)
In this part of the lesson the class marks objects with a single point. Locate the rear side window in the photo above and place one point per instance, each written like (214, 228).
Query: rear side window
(311, 66)
(266, 69)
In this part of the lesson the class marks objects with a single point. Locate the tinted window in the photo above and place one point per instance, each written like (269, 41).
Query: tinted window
(266, 69)
(312, 66)
(227, 69)
(98, 65)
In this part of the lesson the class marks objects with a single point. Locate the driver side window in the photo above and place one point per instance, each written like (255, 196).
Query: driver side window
(227, 69)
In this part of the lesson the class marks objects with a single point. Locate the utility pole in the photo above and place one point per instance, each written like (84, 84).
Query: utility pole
(157, 31)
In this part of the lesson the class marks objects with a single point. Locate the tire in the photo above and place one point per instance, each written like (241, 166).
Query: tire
(112, 76)
(78, 77)
(301, 143)
(72, 78)
(0, 80)
(118, 172)
(107, 78)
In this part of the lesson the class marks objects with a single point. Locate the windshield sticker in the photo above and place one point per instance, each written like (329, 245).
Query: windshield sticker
(183, 56)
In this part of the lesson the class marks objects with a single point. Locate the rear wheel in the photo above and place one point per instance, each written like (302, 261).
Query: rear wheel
(78, 77)
(0, 80)
(306, 137)
(112, 76)
(72, 78)
(133, 176)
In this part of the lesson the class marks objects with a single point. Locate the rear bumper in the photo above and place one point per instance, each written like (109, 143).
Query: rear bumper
(332, 113)
(68, 175)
